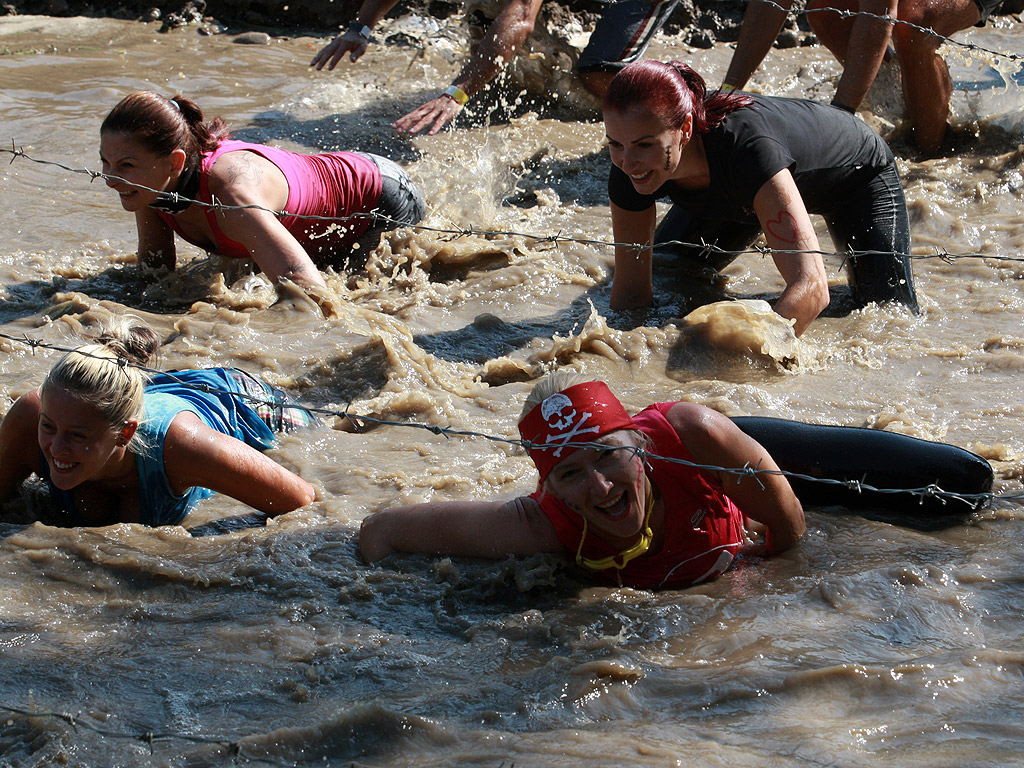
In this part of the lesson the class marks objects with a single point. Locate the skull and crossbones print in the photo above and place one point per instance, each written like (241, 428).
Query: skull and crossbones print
(558, 411)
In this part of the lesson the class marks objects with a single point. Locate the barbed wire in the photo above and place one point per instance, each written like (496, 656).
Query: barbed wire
(235, 749)
(705, 249)
(848, 14)
(931, 491)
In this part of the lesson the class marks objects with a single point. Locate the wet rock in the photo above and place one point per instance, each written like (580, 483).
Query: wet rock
(253, 38)
(324, 15)
(442, 9)
(700, 38)
(683, 16)
(787, 38)
(403, 40)
(190, 13)
(212, 27)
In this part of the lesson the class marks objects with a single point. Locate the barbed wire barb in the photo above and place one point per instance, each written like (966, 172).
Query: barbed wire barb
(845, 13)
(972, 500)
(703, 248)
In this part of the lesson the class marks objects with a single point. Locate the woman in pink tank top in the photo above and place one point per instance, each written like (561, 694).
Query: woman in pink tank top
(647, 522)
(291, 213)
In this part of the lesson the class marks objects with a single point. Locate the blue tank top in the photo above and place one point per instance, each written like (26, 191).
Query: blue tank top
(167, 395)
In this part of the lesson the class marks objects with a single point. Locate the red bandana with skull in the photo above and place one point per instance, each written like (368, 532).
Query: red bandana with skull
(577, 414)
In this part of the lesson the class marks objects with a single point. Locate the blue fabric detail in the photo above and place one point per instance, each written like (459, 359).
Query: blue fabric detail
(167, 395)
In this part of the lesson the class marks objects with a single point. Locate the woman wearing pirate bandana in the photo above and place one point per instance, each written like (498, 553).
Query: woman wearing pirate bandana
(626, 520)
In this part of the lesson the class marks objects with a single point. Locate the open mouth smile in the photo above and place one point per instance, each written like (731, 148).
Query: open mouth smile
(616, 509)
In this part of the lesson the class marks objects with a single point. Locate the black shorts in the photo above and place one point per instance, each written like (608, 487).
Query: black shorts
(986, 8)
(874, 223)
(623, 32)
(400, 201)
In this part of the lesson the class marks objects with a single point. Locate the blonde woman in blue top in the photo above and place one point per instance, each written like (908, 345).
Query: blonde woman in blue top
(117, 447)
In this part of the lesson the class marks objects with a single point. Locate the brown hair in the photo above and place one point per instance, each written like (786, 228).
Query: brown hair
(164, 125)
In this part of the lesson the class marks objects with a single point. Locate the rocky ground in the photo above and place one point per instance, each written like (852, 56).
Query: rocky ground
(704, 21)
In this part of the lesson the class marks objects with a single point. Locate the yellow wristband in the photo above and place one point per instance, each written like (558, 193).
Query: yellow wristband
(456, 94)
(726, 88)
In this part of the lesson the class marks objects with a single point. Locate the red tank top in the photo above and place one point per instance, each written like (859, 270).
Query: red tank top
(703, 528)
(335, 184)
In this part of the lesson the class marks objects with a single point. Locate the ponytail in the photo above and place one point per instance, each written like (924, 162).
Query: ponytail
(105, 375)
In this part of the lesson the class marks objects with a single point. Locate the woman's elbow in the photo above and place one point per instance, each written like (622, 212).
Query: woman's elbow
(782, 537)
(820, 295)
(306, 495)
(299, 494)
(373, 539)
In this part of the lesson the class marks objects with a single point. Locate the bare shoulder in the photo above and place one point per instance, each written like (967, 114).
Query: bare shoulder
(240, 173)
(23, 417)
(188, 437)
(527, 516)
(698, 424)
(19, 440)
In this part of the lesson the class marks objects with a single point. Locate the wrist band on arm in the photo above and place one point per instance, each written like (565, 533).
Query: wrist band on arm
(843, 107)
(456, 94)
(360, 29)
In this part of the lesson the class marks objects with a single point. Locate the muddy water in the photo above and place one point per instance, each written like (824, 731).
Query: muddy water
(870, 643)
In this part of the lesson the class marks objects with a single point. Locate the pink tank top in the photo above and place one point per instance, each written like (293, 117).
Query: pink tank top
(703, 528)
(334, 184)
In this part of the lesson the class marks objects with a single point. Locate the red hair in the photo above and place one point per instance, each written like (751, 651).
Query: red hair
(163, 125)
(671, 92)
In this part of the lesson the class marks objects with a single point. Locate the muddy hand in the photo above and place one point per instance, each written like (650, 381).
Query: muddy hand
(437, 112)
(331, 53)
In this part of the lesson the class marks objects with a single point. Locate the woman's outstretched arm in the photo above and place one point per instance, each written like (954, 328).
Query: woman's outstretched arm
(788, 227)
(632, 283)
(156, 240)
(196, 455)
(253, 188)
(468, 528)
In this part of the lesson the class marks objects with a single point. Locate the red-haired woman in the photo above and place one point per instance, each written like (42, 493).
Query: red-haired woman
(160, 155)
(735, 165)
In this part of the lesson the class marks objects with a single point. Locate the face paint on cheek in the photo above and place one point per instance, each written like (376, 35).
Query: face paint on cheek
(668, 158)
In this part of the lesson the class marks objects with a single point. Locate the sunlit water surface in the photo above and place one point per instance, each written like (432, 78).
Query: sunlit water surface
(871, 643)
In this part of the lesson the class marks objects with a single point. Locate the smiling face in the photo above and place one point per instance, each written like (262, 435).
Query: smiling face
(77, 442)
(644, 148)
(606, 487)
(124, 156)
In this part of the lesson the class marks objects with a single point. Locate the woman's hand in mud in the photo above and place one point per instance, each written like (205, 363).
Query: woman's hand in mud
(305, 297)
(436, 113)
(350, 42)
